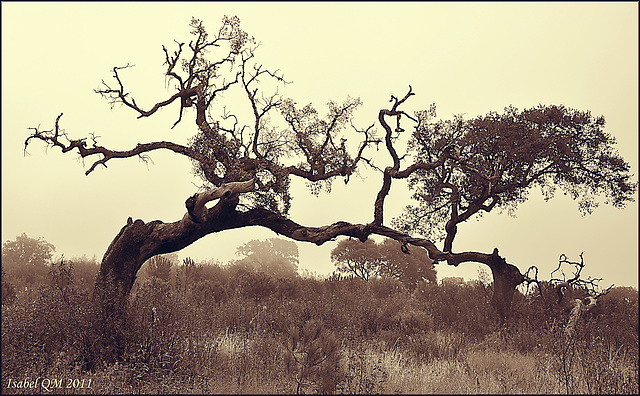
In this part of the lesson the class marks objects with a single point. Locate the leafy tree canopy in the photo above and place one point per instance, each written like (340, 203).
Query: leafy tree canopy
(496, 159)
(275, 256)
(367, 260)
(26, 258)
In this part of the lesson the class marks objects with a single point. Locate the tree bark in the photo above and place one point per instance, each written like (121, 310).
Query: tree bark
(138, 241)
(114, 281)
(505, 279)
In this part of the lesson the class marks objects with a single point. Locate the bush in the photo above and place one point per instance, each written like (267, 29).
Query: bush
(8, 292)
(159, 267)
(50, 326)
(231, 330)
(385, 287)
(84, 272)
(254, 285)
(312, 357)
(288, 288)
(362, 375)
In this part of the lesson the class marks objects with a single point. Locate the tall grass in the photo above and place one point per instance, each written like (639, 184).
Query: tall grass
(226, 331)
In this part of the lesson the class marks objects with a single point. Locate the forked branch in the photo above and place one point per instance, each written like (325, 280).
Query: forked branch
(54, 137)
(118, 95)
(590, 284)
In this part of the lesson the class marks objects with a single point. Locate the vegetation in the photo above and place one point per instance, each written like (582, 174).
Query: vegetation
(456, 169)
(370, 259)
(275, 257)
(255, 325)
(212, 328)
(25, 260)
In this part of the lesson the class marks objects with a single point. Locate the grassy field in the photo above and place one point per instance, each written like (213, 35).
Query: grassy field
(225, 331)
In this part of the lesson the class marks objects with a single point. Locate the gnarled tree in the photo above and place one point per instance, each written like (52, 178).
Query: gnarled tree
(458, 168)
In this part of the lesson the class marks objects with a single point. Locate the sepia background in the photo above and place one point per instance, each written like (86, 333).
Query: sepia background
(469, 58)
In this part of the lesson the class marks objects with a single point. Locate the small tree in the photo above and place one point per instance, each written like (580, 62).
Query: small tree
(188, 274)
(361, 259)
(367, 260)
(26, 259)
(275, 257)
(312, 357)
(159, 267)
(411, 264)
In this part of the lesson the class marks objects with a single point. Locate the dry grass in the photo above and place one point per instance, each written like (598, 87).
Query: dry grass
(238, 345)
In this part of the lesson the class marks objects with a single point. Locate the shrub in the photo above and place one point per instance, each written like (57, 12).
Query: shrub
(159, 267)
(84, 273)
(288, 288)
(363, 375)
(312, 357)
(281, 335)
(8, 292)
(50, 326)
(385, 287)
(255, 285)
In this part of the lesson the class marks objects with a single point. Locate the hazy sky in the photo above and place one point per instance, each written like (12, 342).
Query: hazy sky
(468, 58)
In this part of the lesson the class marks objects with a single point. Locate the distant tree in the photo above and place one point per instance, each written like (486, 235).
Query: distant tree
(369, 260)
(411, 266)
(26, 258)
(275, 257)
(457, 169)
(361, 259)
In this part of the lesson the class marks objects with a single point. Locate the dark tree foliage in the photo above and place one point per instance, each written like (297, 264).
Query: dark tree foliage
(386, 259)
(457, 169)
(498, 158)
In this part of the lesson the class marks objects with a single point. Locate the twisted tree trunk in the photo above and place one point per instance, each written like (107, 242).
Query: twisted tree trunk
(505, 279)
(138, 241)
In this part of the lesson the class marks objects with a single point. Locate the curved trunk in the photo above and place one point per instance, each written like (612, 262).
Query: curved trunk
(114, 281)
(505, 279)
(138, 241)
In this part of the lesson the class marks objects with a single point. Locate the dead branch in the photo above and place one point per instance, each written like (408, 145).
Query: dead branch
(564, 287)
(53, 138)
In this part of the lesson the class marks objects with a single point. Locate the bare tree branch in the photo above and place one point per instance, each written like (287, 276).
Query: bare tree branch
(52, 138)
(589, 284)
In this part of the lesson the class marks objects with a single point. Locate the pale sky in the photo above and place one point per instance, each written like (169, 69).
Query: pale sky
(468, 58)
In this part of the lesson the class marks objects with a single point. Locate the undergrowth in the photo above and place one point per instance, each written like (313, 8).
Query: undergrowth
(225, 331)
